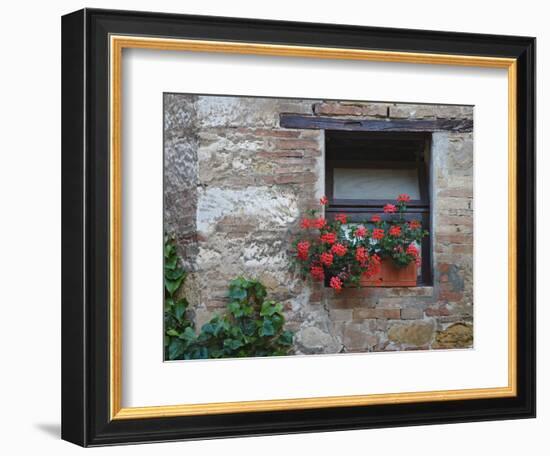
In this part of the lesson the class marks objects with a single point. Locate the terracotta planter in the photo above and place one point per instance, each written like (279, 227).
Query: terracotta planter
(391, 275)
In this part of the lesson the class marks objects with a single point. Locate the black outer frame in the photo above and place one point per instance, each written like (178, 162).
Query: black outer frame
(85, 227)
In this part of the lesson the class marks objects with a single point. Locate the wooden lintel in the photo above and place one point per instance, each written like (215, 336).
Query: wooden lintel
(337, 123)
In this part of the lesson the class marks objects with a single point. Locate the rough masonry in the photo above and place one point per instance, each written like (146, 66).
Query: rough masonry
(236, 184)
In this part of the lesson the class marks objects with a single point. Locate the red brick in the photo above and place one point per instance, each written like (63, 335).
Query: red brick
(281, 154)
(367, 314)
(270, 132)
(462, 248)
(437, 311)
(292, 144)
(296, 178)
(455, 238)
(450, 295)
(346, 303)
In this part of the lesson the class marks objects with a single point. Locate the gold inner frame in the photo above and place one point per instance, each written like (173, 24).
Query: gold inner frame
(117, 44)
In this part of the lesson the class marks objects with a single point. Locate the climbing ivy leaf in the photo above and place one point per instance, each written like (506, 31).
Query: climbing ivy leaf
(267, 328)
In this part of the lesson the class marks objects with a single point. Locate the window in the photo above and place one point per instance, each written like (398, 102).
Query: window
(366, 170)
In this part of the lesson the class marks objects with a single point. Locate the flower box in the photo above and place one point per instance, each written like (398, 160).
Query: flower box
(391, 275)
(343, 253)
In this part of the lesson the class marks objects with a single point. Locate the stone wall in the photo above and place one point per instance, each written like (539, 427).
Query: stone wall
(236, 184)
(180, 175)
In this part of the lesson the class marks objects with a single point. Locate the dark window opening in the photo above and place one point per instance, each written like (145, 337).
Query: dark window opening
(366, 170)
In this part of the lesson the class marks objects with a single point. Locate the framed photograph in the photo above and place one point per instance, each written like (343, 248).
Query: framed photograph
(279, 227)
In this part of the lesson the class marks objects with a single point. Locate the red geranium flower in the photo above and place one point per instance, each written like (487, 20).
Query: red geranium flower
(342, 218)
(361, 232)
(375, 219)
(395, 231)
(323, 201)
(414, 224)
(303, 249)
(361, 255)
(374, 266)
(305, 224)
(339, 249)
(317, 272)
(390, 208)
(326, 258)
(403, 198)
(336, 283)
(412, 250)
(378, 233)
(318, 223)
(329, 238)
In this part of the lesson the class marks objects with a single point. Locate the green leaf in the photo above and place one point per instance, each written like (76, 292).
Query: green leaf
(173, 332)
(169, 249)
(259, 290)
(286, 338)
(235, 308)
(277, 321)
(175, 349)
(172, 285)
(180, 308)
(221, 326)
(168, 303)
(199, 353)
(171, 262)
(216, 353)
(175, 274)
(270, 307)
(239, 282)
(248, 327)
(267, 328)
(232, 344)
(237, 293)
(188, 334)
(208, 329)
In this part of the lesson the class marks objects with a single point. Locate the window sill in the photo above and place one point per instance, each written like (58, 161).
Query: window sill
(421, 291)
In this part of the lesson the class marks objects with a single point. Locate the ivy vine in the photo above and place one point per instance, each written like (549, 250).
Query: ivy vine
(251, 326)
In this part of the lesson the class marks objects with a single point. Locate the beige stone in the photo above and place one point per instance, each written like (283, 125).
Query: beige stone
(341, 314)
(314, 340)
(411, 314)
(458, 335)
(412, 111)
(418, 333)
(351, 109)
(358, 338)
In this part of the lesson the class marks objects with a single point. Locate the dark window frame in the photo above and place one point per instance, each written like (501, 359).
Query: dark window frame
(362, 209)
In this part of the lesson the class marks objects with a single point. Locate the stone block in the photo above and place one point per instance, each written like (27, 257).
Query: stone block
(312, 339)
(411, 313)
(417, 333)
(351, 109)
(364, 314)
(412, 111)
(357, 338)
(439, 311)
(458, 335)
(341, 314)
